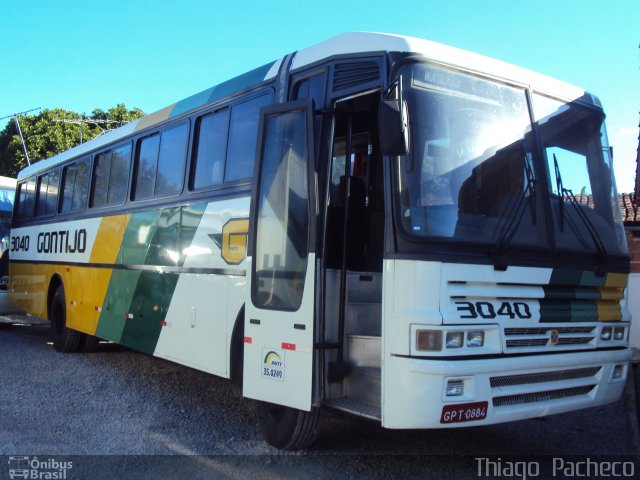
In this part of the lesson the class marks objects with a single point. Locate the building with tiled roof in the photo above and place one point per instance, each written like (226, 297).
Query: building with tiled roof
(631, 216)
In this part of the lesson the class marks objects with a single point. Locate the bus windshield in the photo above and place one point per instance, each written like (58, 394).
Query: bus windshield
(473, 175)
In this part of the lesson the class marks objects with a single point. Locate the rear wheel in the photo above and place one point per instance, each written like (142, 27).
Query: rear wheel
(64, 339)
(288, 428)
(88, 343)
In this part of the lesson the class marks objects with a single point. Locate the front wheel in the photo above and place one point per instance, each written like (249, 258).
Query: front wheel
(287, 428)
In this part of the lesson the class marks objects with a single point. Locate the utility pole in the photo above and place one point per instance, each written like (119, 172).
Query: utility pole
(17, 122)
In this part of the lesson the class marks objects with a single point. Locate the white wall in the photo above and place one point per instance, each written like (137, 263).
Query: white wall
(633, 293)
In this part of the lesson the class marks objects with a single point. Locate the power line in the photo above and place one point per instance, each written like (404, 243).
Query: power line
(88, 121)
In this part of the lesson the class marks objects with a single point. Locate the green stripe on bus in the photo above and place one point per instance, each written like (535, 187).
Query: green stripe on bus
(560, 311)
(148, 310)
(116, 304)
(137, 301)
(136, 239)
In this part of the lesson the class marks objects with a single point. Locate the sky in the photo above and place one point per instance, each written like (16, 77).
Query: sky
(80, 55)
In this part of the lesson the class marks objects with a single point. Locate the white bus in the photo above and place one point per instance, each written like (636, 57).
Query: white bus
(7, 192)
(378, 224)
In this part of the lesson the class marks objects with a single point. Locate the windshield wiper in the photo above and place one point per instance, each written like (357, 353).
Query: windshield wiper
(515, 214)
(593, 232)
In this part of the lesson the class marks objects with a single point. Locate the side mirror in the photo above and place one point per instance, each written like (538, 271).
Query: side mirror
(393, 121)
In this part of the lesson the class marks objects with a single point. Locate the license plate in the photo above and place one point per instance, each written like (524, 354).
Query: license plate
(464, 412)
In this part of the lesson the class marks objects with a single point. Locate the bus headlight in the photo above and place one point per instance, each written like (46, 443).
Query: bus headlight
(429, 340)
(606, 333)
(454, 339)
(618, 333)
(475, 338)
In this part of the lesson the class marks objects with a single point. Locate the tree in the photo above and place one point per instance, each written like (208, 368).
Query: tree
(53, 131)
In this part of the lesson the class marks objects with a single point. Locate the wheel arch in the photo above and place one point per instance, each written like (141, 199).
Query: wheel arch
(236, 350)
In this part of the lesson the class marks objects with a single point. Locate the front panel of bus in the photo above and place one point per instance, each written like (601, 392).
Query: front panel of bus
(503, 286)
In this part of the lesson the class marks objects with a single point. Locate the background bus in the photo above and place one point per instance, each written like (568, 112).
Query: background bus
(378, 224)
(7, 192)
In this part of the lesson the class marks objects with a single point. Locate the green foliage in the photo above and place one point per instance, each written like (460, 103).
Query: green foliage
(53, 131)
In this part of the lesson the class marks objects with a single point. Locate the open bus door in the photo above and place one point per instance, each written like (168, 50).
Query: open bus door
(279, 303)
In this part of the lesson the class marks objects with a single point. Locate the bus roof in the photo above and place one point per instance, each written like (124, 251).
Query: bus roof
(347, 43)
(8, 182)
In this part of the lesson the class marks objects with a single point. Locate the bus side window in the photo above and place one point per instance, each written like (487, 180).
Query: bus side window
(75, 185)
(111, 177)
(119, 175)
(26, 198)
(101, 179)
(212, 131)
(47, 198)
(171, 160)
(160, 163)
(146, 167)
(243, 134)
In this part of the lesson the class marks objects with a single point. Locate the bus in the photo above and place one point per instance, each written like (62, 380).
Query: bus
(383, 225)
(7, 192)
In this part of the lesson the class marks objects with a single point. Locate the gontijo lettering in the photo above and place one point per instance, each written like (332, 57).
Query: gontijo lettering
(62, 241)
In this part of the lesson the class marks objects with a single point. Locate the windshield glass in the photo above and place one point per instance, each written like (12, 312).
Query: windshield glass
(472, 175)
(469, 176)
(583, 191)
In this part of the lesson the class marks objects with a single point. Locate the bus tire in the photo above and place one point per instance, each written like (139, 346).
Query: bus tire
(64, 339)
(288, 428)
(88, 343)
(237, 351)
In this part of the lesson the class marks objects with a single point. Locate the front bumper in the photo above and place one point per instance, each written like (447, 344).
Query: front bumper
(516, 388)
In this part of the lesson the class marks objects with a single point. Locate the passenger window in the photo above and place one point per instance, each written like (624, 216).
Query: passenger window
(160, 164)
(111, 177)
(75, 181)
(173, 153)
(211, 133)
(81, 187)
(26, 198)
(47, 194)
(68, 184)
(147, 163)
(101, 179)
(242, 138)
(119, 176)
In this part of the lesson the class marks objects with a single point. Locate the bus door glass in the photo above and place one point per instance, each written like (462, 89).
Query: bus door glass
(279, 312)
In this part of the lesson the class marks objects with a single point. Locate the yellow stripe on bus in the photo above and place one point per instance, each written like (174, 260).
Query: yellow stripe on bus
(83, 314)
(109, 239)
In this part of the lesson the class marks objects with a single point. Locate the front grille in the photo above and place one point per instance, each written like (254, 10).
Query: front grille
(541, 336)
(529, 378)
(575, 341)
(541, 396)
(534, 342)
(543, 330)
